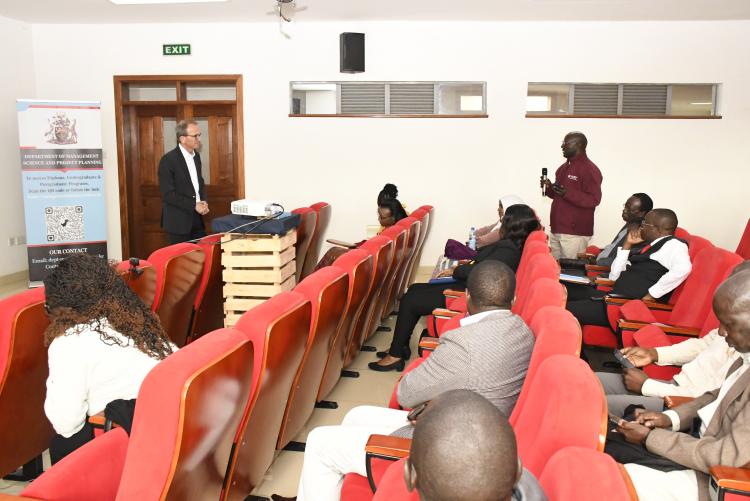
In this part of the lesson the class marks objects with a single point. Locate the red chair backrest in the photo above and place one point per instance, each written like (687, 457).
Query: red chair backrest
(681, 233)
(423, 232)
(562, 387)
(305, 231)
(357, 263)
(530, 249)
(398, 234)
(585, 475)
(537, 236)
(179, 269)
(25, 431)
(327, 290)
(141, 279)
(542, 292)
(541, 265)
(423, 217)
(743, 247)
(392, 487)
(557, 332)
(189, 408)
(381, 250)
(323, 211)
(710, 268)
(209, 301)
(279, 329)
(411, 225)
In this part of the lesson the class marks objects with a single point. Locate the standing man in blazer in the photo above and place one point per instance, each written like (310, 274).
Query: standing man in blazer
(183, 192)
(713, 429)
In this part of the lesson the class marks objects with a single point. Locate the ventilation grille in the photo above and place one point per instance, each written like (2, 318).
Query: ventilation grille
(589, 99)
(644, 99)
(362, 99)
(412, 99)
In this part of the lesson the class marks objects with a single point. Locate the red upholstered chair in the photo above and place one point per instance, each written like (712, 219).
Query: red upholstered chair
(208, 308)
(140, 276)
(327, 290)
(189, 407)
(381, 250)
(542, 292)
(305, 231)
(279, 330)
(400, 235)
(424, 230)
(423, 216)
(743, 248)
(356, 263)
(681, 233)
(25, 431)
(537, 236)
(392, 486)
(557, 332)
(179, 269)
(411, 225)
(323, 211)
(562, 387)
(586, 475)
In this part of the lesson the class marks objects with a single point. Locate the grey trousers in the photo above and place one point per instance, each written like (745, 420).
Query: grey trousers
(618, 396)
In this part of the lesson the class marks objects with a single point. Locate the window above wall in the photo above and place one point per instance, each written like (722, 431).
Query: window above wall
(621, 100)
(388, 99)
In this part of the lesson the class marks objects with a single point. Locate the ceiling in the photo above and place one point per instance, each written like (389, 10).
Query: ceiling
(102, 11)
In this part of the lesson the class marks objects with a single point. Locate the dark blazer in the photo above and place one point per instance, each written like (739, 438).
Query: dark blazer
(503, 250)
(725, 441)
(177, 192)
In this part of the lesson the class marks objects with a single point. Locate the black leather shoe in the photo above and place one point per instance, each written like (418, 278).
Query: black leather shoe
(395, 366)
(383, 354)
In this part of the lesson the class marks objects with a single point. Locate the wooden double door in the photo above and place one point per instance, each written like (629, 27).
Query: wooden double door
(148, 132)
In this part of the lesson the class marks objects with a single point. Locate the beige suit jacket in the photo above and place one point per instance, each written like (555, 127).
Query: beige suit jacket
(727, 437)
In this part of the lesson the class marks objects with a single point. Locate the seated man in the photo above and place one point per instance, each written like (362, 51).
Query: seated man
(489, 354)
(674, 463)
(705, 361)
(649, 266)
(485, 467)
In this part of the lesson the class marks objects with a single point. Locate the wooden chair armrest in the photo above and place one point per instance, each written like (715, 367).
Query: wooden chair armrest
(445, 313)
(428, 343)
(341, 243)
(670, 330)
(596, 267)
(671, 401)
(100, 421)
(388, 447)
(726, 477)
(654, 305)
(604, 281)
(586, 255)
(453, 293)
(616, 301)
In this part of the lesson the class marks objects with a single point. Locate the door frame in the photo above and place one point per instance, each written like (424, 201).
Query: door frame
(179, 81)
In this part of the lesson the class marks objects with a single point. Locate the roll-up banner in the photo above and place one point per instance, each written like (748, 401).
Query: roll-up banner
(63, 182)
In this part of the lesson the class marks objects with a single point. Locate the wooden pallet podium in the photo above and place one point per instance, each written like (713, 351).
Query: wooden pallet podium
(256, 267)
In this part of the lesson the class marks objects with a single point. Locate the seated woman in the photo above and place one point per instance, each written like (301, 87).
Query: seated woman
(420, 299)
(390, 212)
(102, 342)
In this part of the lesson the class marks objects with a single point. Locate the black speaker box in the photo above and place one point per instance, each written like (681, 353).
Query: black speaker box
(352, 52)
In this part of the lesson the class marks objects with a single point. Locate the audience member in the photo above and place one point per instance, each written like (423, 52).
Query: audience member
(421, 298)
(705, 361)
(464, 448)
(487, 235)
(674, 450)
(633, 212)
(576, 192)
(650, 272)
(102, 342)
(489, 354)
(390, 193)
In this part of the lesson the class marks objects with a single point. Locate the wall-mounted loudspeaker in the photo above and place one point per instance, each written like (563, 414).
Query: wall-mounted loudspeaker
(352, 52)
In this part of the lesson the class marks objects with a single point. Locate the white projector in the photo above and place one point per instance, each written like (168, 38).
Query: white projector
(258, 208)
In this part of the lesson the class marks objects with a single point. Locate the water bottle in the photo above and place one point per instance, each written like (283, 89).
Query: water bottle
(473, 238)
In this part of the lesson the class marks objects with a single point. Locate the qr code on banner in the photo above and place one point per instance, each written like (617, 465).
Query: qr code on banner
(64, 223)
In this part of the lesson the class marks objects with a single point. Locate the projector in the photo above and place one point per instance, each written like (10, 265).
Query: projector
(258, 208)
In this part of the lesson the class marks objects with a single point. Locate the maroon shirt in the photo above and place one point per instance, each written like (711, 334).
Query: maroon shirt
(573, 214)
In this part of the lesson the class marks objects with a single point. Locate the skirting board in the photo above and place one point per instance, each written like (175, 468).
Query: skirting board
(12, 278)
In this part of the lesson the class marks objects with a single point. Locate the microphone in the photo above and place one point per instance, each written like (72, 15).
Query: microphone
(544, 179)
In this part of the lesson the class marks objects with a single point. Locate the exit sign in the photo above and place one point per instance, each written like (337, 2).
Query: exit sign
(176, 49)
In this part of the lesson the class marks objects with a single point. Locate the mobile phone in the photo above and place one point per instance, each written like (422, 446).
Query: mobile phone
(416, 411)
(614, 420)
(623, 360)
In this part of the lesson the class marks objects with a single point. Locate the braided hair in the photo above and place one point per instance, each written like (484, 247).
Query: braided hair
(84, 290)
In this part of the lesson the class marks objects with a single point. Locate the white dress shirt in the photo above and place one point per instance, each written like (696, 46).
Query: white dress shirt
(472, 319)
(190, 160)
(705, 362)
(673, 255)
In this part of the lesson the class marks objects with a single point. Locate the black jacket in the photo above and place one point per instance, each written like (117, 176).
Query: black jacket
(502, 250)
(177, 192)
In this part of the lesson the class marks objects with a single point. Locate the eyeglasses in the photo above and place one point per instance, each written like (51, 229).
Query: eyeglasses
(644, 223)
(194, 135)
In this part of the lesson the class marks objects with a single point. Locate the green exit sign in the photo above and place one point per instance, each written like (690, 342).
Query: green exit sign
(176, 49)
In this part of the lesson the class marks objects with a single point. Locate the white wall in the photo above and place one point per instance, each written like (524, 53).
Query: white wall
(16, 60)
(461, 166)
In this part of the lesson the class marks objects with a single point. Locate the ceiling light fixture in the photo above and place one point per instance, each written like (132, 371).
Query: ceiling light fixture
(157, 2)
